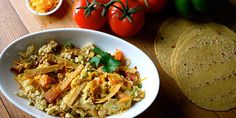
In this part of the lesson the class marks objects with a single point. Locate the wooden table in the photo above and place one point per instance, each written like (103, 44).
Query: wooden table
(16, 21)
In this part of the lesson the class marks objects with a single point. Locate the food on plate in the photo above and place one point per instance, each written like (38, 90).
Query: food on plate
(88, 14)
(127, 18)
(152, 5)
(66, 81)
(43, 6)
(203, 64)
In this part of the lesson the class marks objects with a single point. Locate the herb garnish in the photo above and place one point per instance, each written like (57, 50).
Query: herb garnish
(104, 58)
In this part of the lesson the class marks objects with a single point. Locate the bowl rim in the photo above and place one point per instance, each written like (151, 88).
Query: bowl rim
(80, 30)
(46, 13)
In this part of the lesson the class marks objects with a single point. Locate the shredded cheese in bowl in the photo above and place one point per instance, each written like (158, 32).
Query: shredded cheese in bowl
(43, 6)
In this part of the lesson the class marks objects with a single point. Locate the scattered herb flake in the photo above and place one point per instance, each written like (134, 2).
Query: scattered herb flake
(140, 85)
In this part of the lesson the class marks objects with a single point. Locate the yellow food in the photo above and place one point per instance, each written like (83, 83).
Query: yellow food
(43, 6)
(62, 81)
(201, 58)
(204, 69)
(166, 40)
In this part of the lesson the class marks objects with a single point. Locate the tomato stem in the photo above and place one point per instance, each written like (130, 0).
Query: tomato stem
(89, 7)
(117, 7)
(107, 6)
(87, 3)
(126, 11)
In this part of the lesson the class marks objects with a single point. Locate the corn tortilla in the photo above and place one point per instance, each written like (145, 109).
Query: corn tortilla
(166, 40)
(205, 69)
(194, 30)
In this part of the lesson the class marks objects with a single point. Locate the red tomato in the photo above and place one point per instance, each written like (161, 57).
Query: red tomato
(123, 27)
(152, 5)
(94, 20)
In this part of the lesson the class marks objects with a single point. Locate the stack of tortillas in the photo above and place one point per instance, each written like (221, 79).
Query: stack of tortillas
(201, 57)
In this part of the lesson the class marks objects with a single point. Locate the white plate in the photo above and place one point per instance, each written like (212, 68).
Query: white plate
(78, 37)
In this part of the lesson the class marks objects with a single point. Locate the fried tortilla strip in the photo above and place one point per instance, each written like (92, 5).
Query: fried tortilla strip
(114, 90)
(74, 92)
(63, 61)
(54, 92)
(38, 71)
(20, 77)
(70, 77)
(30, 73)
(95, 85)
(124, 103)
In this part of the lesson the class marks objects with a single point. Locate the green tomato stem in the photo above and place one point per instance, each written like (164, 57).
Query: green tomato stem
(126, 11)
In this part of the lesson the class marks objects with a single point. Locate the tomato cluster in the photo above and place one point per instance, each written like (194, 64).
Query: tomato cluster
(125, 17)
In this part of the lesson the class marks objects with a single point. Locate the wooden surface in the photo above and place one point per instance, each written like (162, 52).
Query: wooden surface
(16, 21)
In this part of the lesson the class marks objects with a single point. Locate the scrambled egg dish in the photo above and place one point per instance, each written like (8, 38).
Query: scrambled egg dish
(66, 81)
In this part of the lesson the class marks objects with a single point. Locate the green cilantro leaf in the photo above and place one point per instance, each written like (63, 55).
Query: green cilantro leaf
(98, 51)
(140, 85)
(95, 61)
(104, 58)
(111, 65)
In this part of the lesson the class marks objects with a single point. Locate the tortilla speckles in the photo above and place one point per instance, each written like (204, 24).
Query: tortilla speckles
(166, 40)
(203, 63)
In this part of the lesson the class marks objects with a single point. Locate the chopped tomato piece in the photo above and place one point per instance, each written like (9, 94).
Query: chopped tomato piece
(119, 55)
(130, 76)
